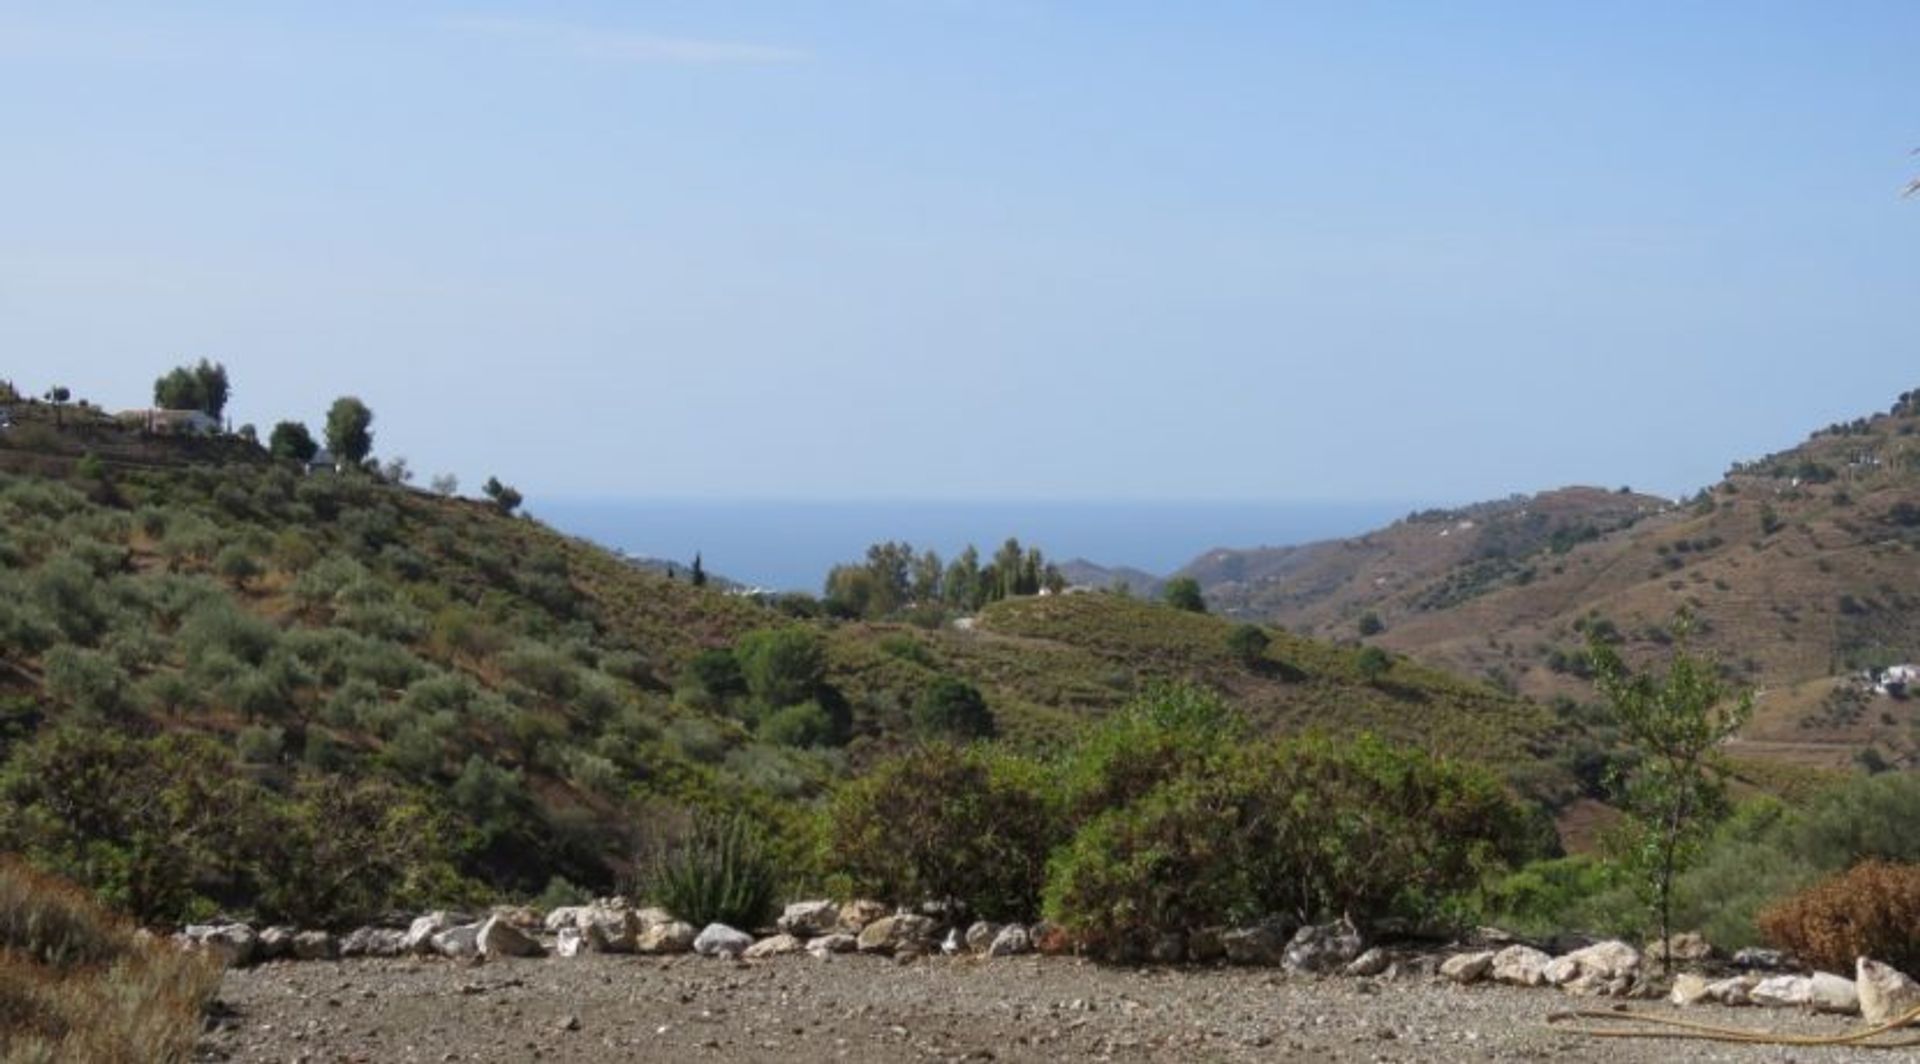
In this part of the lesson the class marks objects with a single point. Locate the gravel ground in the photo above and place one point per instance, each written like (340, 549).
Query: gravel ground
(856, 1008)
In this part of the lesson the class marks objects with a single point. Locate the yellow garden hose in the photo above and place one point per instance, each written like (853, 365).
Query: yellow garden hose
(1669, 1027)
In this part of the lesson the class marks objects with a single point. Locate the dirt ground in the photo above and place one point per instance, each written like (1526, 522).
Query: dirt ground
(856, 1008)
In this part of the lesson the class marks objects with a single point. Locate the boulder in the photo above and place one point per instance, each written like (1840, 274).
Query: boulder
(1886, 993)
(522, 917)
(1371, 963)
(1260, 944)
(563, 917)
(1012, 941)
(499, 936)
(1735, 991)
(274, 943)
(719, 940)
(1521, 966)
(1322, 948)
(314, 946)
(776, 946)
(671, 936)
(419, 934)
(1781, 991)
(610, 930)
(980, 935)
(1831, 993)
(232, 945)
(1689, 947)
(373, 942)
(457, 942)
(857, 914)
(1691, 989)
(1561, 970)
(1468, 967)
(808, 918)
(652, 916)
(891, 933)
(838, 942)
(571, 942)
(1609, 960)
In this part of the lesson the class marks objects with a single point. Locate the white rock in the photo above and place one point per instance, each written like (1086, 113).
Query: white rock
(775, 946)
(419, 936)
(857, 914)
(1835, 994)
(232, 945)
(1322, 948)
(1012, 941)
(670, 936)
(651, 917)
(838, 942)
(1886, 993)
(1781, 991)
(804, 919)
(1260, 944)
(1735, 991)
(563, 917)
(1688, 947)
(570, 942)
(1561, 970)
(457, 942)
(981, 935)
(1609, 960)
(373, 942)
(1370, 963)
(719, 940)
(1467, 967)
(1521, 966)
(1691, 989)
(498, 937)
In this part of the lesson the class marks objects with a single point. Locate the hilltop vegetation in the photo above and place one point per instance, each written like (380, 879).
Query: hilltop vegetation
(325, 694)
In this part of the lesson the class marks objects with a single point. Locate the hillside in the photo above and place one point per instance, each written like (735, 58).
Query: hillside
(259, 656)
(1798, 567)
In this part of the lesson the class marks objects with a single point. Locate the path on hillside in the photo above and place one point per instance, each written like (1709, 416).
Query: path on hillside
(857, 1008)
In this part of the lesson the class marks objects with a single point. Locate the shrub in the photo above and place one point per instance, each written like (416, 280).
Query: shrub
(955, 708)
(1171, 732)
(800, 725)
(783, 666)
(1871, 910)
(721, 872)
(86, 680)
(260, 745)
(1183, 593)
(955, 824)
(1248, 644)
(717, 674)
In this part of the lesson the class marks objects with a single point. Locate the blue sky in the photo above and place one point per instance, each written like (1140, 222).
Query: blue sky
(1006, 249)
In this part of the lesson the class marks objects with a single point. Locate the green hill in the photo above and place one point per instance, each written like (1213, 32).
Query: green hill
(262, 660)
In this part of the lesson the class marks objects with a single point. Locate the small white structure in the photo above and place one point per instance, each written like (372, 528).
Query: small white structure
(1897, 680)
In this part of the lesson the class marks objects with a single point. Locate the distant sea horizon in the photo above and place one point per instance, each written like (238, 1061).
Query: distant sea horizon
(790, 545)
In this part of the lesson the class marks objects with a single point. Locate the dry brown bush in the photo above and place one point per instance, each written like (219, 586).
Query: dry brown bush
(79, 983)
(1870, 910)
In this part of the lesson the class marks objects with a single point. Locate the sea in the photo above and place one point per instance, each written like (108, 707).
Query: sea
(790, 546)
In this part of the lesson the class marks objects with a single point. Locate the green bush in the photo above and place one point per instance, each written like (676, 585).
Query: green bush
(721, 873)
(783, 666)
(1173, 731)
(964, 825)
(802, 725)
(953, 708)
(1183, 593)
(1248, 643)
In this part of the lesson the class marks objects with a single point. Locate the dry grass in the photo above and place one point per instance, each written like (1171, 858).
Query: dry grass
(78, 983)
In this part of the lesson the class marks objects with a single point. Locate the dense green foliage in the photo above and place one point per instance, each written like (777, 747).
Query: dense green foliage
(967, 826)
(721, 872)
(1183, 593)
(954, 708)
(203, 386)
(349, 430)
(292, 441)
(895, 581)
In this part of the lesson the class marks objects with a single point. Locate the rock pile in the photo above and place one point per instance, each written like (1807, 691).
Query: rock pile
(826, 929)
